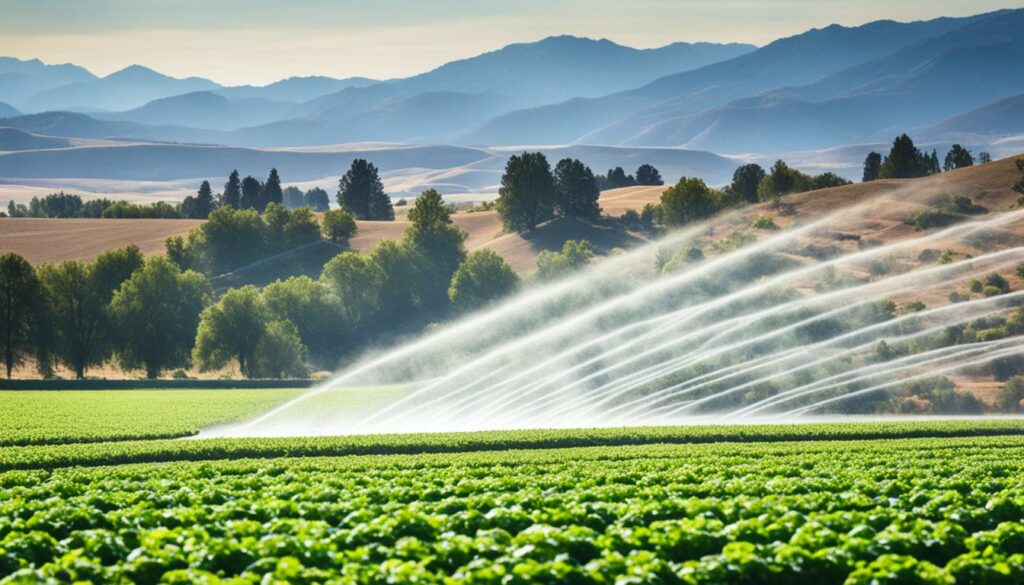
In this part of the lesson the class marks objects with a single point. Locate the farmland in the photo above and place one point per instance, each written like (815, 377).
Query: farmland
(91, 489)
(921, 510)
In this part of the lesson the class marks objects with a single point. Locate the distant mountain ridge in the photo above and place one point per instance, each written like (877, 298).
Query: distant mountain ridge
(131, 87)
(206, 110)
(792, 61)
(20, 79)
(821, 89)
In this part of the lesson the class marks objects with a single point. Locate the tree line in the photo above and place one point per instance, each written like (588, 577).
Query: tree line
(160, 313)
(532, 192)
(906, 161)
(691, 199)
(360, 192)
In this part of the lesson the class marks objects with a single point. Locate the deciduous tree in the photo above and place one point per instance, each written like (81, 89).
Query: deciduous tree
(19, 294)
(230, 330)
(482, 278)
(155, 315)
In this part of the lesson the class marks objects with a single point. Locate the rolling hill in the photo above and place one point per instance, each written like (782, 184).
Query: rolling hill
(77, 125)
(883, 219)
(56, 240)
(1004, 117)
(12, 139)
(205, 110)
(7, 110)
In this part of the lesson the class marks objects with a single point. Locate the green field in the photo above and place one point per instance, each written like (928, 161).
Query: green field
(887, 502)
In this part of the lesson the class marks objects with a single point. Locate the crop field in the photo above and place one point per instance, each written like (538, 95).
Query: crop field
(885, 502)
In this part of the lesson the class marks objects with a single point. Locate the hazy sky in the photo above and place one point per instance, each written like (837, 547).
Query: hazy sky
(258, 41)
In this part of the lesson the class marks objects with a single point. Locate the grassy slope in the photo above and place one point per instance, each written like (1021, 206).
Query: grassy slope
(55, 240)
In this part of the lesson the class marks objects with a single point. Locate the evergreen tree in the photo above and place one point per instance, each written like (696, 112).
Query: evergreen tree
(292, 198)
(232, 191)
(317, 199)
(252, 193)
(905, 161)
(618, 178)
(648, 175)
(872, 165)
(984, 157)
(200, 206)
(361, 193)
(527, 194)
(958, 157)
(204, 200)
(933, 163)
(271, 192)
(20, 292)
(745, 181)
(577, 191)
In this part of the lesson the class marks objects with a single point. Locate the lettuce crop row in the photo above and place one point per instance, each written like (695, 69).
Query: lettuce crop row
(111, 453)
(922, 511)
(54, 417)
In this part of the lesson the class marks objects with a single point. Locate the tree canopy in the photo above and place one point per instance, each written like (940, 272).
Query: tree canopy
(483, 278)
(648, 175)
(527, 194)
(19, 293)
(745, 181)
(576, 189)
(872, 166)
(687, 201)
(905, 161)
(958, 157)
(232, 194)
(361, 193)
(155, 314)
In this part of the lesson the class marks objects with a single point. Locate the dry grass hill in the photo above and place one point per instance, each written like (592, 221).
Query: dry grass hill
(56, 240)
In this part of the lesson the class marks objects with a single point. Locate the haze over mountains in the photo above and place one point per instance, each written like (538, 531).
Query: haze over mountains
(827, 89)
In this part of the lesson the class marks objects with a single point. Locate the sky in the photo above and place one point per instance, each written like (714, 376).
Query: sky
(236, 42)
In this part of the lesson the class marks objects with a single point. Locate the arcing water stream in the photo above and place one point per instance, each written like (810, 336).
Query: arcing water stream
(766, 329)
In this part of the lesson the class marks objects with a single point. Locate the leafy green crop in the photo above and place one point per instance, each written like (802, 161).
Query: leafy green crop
(111, 453)
(83, 500)
(935, 511)
(50, 417)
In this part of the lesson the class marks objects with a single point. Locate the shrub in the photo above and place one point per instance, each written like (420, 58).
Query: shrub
(764, 222)
(931, 218)
(1011, 395)
(998, 281)
(574, 255)
(339, 226)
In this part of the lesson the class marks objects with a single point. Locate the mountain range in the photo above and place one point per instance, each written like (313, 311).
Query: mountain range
(944, 80)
